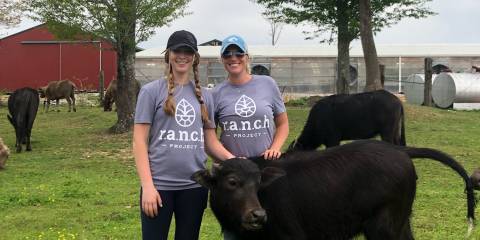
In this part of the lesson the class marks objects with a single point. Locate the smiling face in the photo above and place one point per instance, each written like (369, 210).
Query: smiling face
(235, 60)
(181, 60)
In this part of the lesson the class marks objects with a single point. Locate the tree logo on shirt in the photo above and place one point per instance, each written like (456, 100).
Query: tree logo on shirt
(184, 113)
(245, 106)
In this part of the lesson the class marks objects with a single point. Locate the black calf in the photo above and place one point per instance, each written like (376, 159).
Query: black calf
(364, 187)
(349, 117)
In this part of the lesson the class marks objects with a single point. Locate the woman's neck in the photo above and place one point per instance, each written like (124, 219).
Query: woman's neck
(180, 78)
(240, 78)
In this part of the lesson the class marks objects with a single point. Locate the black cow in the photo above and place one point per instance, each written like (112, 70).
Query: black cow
(349, 117)
(367, 187)
(23, 106)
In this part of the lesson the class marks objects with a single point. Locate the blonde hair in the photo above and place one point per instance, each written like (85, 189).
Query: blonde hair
(169, 105)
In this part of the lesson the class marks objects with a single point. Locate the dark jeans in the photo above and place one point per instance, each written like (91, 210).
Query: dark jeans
(187, 206)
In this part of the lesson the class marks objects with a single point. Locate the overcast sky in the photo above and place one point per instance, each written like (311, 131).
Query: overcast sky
(456, 22)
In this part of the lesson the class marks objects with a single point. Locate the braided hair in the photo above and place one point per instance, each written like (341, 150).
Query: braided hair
(169, 105)
(198, 89)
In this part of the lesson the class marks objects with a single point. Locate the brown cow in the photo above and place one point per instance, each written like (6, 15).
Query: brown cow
(57, 90)
(111, 92)
(4, 153)
(475, 178)
(110, 96)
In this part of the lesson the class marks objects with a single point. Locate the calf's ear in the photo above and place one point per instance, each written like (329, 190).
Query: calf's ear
(204, 178)
(270, 174)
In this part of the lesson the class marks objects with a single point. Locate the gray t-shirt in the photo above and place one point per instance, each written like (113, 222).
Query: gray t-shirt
(245, 114)
(176, 143)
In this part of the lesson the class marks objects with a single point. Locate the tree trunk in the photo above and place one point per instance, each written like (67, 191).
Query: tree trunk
(368, 45)
(343, 47)
(125, 98)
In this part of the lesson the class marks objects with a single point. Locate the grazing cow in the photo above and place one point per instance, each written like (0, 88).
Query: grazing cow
(57, 90)
(111, 92)
(23, 106)
(4, 153)
(367, 186)
(475, 178)
(349, 117)
(110, 96)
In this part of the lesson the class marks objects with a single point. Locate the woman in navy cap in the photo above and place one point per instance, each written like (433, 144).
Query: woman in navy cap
(173, 120)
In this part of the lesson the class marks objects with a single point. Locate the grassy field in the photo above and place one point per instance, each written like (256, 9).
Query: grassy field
(80, 182)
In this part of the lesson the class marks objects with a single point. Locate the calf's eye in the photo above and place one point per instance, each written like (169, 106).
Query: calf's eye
(232, 183)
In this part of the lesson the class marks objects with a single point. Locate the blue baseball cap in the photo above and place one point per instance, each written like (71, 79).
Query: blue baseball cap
(234, 40)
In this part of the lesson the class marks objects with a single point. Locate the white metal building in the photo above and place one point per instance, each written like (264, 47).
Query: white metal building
(312, 69)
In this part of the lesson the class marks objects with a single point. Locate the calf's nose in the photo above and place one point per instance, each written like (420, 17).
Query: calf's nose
(259, 215)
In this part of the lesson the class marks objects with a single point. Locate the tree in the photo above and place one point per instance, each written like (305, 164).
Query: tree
(368, 46)
(10, 12)
(276, 23)
(341, 18)
(124, 23)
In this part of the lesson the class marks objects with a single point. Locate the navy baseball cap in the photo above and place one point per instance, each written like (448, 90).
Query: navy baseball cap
(182, 38)
(234, 40)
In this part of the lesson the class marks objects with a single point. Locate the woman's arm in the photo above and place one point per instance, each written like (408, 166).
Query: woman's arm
(281, 134)
(214, 147)
(150, 196)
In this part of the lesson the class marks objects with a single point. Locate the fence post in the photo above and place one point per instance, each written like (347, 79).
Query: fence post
(382, 75)
(427, 91)
(101, 86)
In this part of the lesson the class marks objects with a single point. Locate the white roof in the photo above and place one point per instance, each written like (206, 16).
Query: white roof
(383, 50)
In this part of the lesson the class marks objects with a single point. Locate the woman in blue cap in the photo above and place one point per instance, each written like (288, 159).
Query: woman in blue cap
(173, 125)
(249, 108)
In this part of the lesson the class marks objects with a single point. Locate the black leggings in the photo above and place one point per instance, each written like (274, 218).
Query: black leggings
(188, 206)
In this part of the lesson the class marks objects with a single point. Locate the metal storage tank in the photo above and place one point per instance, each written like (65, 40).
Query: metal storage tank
(450, 88)
(414, 88)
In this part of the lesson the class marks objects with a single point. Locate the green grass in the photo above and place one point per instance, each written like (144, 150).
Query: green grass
(79, 182)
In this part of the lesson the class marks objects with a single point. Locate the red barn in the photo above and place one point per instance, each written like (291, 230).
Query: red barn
(34, 57)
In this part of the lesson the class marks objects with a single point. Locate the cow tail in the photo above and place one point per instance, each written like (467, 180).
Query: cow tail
(403, 142)
(450, 162)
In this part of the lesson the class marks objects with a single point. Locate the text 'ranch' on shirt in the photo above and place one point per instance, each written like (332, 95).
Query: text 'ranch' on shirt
(245, 114)
(176, 143)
